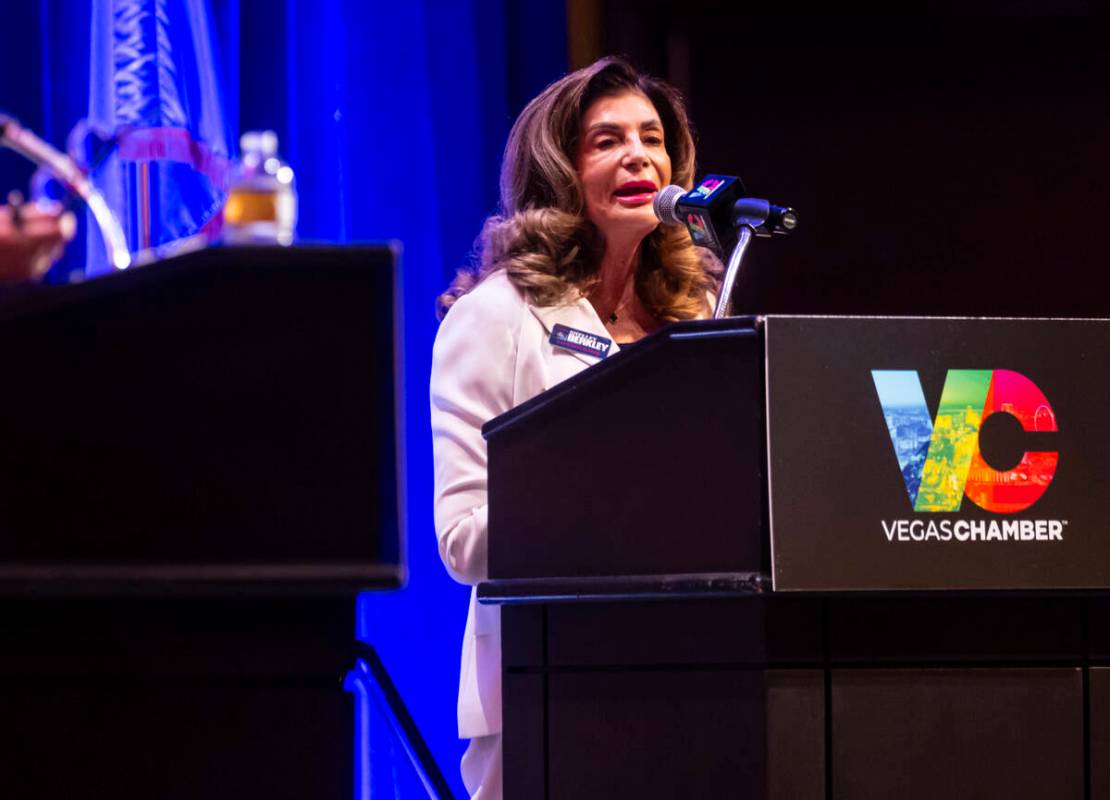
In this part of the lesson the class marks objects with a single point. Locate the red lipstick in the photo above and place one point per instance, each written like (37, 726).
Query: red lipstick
(634, 193)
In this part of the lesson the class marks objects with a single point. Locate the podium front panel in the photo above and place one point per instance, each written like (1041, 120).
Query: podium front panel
(224, 418)
(647, 463)
(938, 453)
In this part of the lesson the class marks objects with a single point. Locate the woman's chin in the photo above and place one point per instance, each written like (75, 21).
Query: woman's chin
(628, 223)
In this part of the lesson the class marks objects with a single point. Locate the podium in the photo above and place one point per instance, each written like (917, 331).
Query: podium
(198, 474)
(810, 557)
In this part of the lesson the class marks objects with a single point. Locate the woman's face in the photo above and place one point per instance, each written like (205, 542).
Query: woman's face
(622, 162)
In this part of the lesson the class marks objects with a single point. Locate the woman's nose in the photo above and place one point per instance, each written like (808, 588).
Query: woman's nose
(635, 154)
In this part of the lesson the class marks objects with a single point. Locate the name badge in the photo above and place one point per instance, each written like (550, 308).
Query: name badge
(580, 341)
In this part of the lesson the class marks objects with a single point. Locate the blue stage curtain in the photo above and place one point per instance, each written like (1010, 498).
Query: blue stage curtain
(394, 116)
(46, 45)
(21, 92)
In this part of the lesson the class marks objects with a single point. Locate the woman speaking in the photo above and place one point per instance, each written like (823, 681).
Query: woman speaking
(574, 265)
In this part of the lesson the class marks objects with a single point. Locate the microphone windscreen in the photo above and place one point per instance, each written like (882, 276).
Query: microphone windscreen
(665, 204)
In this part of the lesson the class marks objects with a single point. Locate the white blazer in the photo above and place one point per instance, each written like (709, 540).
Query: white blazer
(491, 354)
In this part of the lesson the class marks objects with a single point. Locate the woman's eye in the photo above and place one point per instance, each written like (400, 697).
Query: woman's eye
(655, 141)
(605, 144)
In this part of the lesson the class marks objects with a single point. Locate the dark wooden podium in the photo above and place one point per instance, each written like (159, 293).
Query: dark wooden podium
(198, 474)
(698, 598)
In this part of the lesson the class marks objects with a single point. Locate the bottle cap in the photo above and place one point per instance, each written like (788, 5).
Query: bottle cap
(264, 144)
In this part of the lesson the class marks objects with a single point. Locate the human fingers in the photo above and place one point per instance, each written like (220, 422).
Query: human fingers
(31, 239)
(40, 209)
(41, 227)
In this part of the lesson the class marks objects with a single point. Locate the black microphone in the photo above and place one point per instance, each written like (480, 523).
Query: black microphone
(714, 210)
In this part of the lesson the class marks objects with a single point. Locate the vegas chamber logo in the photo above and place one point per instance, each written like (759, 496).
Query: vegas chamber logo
(940, 458)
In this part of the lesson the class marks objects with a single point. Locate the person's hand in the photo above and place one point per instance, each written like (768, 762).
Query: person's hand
(32, 237)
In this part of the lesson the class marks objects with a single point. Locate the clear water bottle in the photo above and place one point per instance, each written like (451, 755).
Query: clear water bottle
(262, 199)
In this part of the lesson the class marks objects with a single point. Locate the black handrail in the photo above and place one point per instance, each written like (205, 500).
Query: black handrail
(375, 676)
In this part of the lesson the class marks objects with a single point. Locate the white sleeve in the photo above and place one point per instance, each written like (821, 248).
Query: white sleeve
(473, 364)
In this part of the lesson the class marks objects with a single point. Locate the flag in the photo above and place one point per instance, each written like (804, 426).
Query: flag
(154, 85)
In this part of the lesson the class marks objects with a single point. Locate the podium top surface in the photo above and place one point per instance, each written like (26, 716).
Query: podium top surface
(630, 357)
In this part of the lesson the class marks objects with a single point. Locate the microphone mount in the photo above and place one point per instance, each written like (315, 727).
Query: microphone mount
(752, 216)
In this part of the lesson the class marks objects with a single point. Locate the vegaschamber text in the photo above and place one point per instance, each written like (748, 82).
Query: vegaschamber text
(974, 530)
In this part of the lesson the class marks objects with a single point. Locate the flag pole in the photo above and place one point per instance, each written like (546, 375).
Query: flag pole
(144, 205)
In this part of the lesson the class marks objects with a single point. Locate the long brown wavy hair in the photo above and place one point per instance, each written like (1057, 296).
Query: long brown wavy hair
(541, 236)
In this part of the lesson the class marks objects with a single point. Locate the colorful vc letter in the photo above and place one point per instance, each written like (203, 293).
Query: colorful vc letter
(940, 459)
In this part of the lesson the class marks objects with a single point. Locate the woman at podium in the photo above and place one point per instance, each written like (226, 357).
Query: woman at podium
(573, 266)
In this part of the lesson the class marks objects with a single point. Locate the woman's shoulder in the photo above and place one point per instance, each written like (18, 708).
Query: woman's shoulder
(496, 288)
(495, 303)
(476, 346)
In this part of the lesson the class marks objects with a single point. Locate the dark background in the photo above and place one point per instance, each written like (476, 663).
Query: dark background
(946, 158)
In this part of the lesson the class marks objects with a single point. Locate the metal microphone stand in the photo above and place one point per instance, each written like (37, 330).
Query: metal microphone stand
(724, 299)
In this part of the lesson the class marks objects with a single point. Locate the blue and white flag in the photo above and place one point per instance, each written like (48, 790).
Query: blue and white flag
(153, 84)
